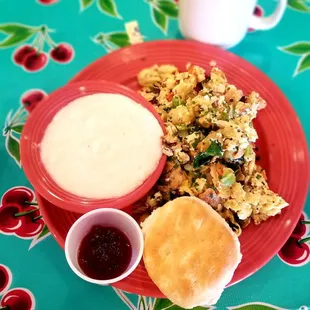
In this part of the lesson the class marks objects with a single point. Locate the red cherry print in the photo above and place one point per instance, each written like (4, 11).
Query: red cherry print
(8, 222)
(31, 98)
(21, 53)
(5, 278)
(294, 252)
(18, 195)
(292, 249)
(300, 228)
(18, 299)
(62, 53)
(35, 61)
(258, 11)
(48, 1)
(30, 227)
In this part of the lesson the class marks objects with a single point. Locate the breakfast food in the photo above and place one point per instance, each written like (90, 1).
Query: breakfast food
(102, 146)
(190, 252)
(210, 145)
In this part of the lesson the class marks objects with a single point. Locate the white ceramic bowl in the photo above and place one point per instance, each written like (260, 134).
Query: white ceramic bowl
(105, 217)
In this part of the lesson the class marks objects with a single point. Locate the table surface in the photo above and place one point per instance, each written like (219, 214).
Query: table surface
(38, 275)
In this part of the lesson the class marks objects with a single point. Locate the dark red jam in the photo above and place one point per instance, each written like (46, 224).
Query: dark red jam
(104, 253)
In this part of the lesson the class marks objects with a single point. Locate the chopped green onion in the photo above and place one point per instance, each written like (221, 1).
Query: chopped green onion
(195, 143)
(215, 149)
(248, 151)
(181, 127)
(225, 116)
(228, 178)
(177, 101)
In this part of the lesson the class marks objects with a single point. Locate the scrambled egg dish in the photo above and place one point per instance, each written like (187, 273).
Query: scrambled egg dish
(209, 143)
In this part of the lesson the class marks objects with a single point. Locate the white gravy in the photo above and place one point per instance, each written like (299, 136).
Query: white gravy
(101, 146)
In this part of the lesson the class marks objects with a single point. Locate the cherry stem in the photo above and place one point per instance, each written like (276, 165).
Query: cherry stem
(37, 218)
(48, 39)
(101, 39)
(41, 42)
(5, 131)
(37, 39)
(107, 46)
(25, 213)
(304, 240)
(305, 222)
(16, 115)
(30, 203)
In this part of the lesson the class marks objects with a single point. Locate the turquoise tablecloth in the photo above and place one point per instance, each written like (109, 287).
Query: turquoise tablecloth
(36, 266)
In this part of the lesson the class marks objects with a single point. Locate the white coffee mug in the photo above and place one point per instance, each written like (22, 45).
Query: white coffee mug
(223, 22)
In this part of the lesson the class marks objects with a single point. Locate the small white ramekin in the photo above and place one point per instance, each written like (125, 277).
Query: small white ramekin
(105, 217)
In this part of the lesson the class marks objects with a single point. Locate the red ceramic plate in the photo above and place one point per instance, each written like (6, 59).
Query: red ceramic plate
(282, 146)
(33, 133)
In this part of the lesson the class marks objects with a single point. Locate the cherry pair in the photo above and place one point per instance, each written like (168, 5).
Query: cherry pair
(19, 214)
(296, 250)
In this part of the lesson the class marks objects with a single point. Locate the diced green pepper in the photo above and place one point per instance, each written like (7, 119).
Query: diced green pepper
(204, 158)
(215, 149)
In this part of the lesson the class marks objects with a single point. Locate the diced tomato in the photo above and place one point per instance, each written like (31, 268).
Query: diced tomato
(170, 96)
(198, 87)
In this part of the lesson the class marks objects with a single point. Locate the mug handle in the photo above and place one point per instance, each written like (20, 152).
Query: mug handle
(265, 23)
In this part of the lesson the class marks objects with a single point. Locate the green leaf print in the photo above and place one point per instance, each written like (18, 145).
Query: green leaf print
(160, 19)
(12, 147)
(112, 41)
(255, 306)
(169, 8)
(162, 304)
(84, 4)
(99, 38)
(17, 128)
(44, 232)
(303, 64)
(16, 33)
(108, 7)
(119, 39)
(297, 48)
(298, 5)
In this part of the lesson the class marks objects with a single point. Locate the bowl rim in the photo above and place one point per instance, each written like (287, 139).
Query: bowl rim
(33, 132)
(84, 217)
